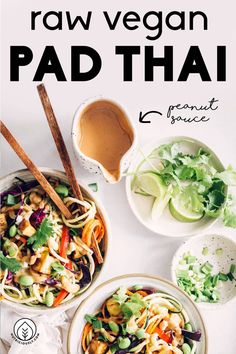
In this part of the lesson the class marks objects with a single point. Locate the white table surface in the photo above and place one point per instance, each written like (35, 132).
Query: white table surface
(133, 248)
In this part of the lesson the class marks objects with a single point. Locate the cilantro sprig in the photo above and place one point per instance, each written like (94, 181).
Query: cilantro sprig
(42, 235)
(97, 324)
(12, 264)
(130, 305)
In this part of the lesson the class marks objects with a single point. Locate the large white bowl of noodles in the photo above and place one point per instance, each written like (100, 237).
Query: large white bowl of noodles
(6, 183)
(92, 306)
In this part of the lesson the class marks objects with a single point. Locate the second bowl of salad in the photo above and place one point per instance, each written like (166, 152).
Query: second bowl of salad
(137, 314)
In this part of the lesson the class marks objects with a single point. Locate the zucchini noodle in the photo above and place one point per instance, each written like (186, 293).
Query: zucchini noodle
(90, 214)
(4, 287)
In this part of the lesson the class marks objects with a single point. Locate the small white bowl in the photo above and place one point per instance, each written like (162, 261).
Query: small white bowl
(220, 263)
(6, 183)
(166, 224)
(90, 164)
(102, 292)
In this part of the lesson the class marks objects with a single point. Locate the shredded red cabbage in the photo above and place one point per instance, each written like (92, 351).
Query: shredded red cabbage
(20, 188)
(196, 336)
(148, 291)
(51, 281)
(9, 276)
(37, 217)
(86, 275)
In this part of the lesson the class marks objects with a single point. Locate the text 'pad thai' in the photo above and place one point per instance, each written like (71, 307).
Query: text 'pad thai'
(139, 320)
(47, 259)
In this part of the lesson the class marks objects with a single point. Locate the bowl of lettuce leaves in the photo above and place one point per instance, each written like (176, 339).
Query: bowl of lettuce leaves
(178, 187)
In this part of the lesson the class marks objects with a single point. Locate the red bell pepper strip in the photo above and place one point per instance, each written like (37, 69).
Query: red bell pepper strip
(69, 265)
(65, 238)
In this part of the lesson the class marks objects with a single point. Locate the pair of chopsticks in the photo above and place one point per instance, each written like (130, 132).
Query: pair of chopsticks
(61, 147)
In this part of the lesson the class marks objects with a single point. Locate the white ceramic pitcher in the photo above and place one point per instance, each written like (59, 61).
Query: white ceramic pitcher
(89, 163)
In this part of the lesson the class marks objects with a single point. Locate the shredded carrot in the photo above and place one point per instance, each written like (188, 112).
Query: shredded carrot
(60, 297)
(88, 231)
(151, 327)
(87, 328)
(107, 320)
(162, 335)
(92, 234)
(141, 292)
(1, 298)
(96, 249)
(99, 232)
(128, 292)
(142, 321)
(103, 309)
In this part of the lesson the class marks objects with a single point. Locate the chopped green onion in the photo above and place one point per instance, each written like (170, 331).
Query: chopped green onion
(205, 251)
(97, 324)
(215, 280)
(113, 326)
(10, 199)
(93, 186)
(198, 281)
(215, 295)
(223, 277)
(206, 268)
(232, 268)
(219, 251)
(190, 259)
(230, 276)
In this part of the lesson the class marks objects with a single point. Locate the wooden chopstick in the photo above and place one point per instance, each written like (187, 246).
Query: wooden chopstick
(34, 170)
(60, 144)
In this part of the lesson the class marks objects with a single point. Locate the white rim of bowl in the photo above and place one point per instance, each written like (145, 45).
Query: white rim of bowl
(129, 196)
(202, 305)
(135, 275)
(73, 302)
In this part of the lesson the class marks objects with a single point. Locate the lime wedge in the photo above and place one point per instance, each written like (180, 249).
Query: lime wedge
(159, 205)
(151, 184)
(181, 212)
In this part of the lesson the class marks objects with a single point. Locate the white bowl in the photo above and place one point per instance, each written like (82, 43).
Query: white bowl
(102, 292)
(90, 164)
(166, 224)
(220, 263)
(6, 183)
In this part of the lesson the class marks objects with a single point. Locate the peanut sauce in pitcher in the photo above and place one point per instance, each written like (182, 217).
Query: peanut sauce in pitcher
(105, 135)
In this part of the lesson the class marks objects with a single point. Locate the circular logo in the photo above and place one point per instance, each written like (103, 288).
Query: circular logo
(25, 329)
